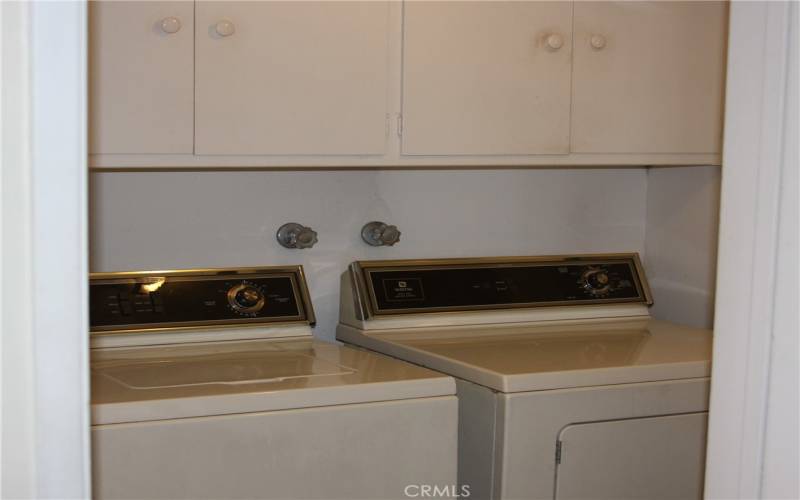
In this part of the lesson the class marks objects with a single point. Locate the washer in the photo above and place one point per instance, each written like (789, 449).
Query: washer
(567, 387)
(208, 384)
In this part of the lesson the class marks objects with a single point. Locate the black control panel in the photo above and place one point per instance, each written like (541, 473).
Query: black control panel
(406, 286)
(134, 301)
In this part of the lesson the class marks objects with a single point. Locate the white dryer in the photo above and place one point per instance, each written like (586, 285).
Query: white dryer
(567, 388)
(208, 384)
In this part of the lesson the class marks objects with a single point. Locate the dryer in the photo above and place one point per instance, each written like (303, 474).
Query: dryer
(567, 387)
(209, 384)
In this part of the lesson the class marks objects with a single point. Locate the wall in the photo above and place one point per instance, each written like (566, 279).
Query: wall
(158, 220)
(681, 242)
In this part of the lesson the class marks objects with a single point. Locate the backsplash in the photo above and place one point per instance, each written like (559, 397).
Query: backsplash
(165, 220)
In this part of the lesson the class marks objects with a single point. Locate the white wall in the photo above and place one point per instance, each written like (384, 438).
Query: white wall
(157, 220)
(681, 242)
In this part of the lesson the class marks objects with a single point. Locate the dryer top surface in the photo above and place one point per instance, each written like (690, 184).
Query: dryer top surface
(540, 357)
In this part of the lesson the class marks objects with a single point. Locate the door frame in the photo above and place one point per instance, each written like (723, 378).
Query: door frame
(44, 255)
(753, 432)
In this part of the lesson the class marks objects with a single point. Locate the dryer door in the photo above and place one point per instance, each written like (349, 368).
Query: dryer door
(656, 457)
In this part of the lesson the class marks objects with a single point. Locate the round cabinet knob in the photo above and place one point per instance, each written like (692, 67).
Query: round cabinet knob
(378, 234)
(554, 41)
(597, 41)
(246, 298)
(294, 235)
(170, 25)
(225, 28)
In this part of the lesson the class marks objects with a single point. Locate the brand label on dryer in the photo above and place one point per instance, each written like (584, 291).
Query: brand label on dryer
(402, 289)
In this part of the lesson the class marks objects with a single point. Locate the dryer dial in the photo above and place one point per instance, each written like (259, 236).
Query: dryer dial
(596, 281)
(246, 298)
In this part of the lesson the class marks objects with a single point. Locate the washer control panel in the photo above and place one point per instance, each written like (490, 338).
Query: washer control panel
(173, 299)
(393, 287)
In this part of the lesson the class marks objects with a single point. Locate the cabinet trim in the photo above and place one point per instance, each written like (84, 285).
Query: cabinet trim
(180, 162)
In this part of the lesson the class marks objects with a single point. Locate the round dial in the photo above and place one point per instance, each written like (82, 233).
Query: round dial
(246, 298)
(596, 281)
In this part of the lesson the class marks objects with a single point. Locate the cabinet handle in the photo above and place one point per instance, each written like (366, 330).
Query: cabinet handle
(554, 41)
(225, 28)
(597, 42)
(170, 25)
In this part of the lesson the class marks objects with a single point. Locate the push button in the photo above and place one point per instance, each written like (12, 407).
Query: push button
(158, 302)
(125, 307)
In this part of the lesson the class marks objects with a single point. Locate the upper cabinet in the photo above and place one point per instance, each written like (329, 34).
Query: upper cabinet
(291, 78)
(295, 83)
(486, 77)
(648, 77)
(141, 77)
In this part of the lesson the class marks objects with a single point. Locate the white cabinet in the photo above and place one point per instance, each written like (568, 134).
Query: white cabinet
(294, 83)
(508, 78)
(141, 77)
(648, 77)
(291, 78)
(486, 78)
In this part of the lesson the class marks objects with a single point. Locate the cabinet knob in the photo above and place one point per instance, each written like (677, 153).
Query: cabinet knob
(554, 41)
(597, 41)
(225, 28)
(170, 25)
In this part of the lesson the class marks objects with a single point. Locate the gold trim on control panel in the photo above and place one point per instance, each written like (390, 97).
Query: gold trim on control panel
(296, 275)
(366, 302)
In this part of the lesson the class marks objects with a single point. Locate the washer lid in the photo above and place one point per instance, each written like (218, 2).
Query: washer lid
(517, 359)
(163, 382)
(217, 369)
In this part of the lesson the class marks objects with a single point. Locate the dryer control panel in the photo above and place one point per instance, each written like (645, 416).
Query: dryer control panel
(397, 287)
(212, 297)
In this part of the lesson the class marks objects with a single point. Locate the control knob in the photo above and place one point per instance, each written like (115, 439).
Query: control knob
(596, 281)
(246, 298)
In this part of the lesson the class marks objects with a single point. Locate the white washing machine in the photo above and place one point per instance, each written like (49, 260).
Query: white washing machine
(567, 388)
(208, 384)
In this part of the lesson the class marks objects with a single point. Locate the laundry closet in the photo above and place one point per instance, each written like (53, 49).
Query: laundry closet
(475, 130)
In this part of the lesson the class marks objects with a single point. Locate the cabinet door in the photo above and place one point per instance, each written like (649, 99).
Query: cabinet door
(658, 457)
(291, 77)
(486, 78)
(648, 77)
(141, 77)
